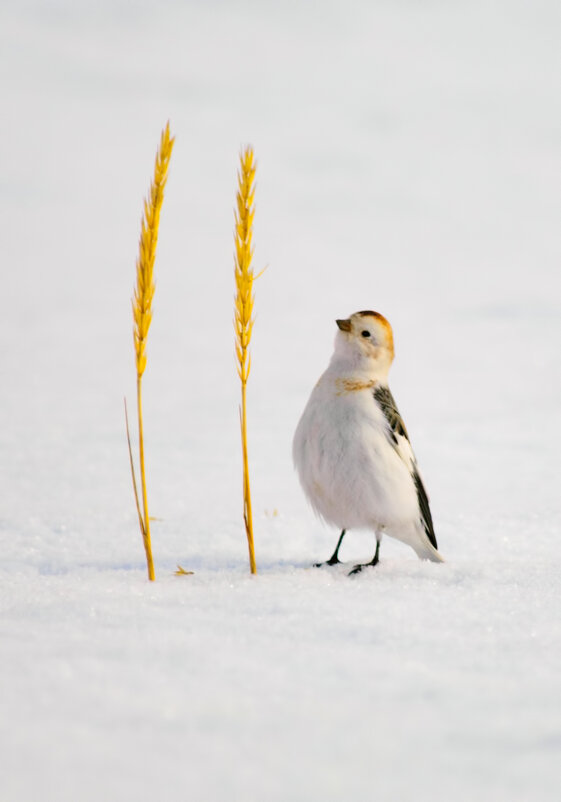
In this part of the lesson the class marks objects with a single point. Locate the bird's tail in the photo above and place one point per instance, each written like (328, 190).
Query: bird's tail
(427, 551)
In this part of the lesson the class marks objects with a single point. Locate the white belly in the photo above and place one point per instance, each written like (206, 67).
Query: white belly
(350, 472)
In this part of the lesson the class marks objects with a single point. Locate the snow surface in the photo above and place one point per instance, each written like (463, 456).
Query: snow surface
(409, 161)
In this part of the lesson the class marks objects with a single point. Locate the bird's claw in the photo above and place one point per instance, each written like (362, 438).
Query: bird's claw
(331, 561)
(358, 568)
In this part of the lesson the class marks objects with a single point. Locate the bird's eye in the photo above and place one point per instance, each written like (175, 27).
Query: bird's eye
(365, 333)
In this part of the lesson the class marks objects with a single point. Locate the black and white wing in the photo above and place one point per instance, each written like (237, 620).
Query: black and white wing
(398, 437)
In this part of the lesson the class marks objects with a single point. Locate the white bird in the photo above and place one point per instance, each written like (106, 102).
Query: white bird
(351, 448)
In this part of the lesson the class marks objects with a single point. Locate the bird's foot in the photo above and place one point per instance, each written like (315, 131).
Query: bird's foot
(358, 568)
(331, 561)
(374, 561)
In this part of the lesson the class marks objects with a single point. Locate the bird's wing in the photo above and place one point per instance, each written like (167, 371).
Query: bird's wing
(399, 439)
(385, 399)
(426, 517)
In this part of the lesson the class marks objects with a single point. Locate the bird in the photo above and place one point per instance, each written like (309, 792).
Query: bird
(352, 451)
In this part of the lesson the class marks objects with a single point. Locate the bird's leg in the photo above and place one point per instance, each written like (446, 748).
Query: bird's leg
(374, 561)
(334, 559)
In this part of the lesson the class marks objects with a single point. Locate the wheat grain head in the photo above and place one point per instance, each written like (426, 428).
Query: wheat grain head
(243, 319)
(144, 290)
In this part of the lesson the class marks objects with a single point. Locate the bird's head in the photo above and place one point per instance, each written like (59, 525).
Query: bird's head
(365, 340)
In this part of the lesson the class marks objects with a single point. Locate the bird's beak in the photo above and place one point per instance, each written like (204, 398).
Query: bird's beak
(344, 325)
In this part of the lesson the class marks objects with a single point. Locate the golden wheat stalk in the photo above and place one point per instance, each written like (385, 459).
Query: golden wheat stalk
(142, 316)
(243, 316)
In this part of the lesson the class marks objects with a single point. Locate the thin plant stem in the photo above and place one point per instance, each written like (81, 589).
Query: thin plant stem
(247, 514)
(133, 472)
(146, 529)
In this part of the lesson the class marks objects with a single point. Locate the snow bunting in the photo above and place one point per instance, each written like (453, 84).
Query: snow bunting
(351, 448)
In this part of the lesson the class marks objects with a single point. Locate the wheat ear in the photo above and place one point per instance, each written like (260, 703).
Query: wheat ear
(142, 313)
(243, 318)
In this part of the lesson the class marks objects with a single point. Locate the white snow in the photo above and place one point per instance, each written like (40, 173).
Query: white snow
(409, 161)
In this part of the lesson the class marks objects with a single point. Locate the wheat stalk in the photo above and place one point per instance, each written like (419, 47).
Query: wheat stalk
(243, 317)
(142, 315)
